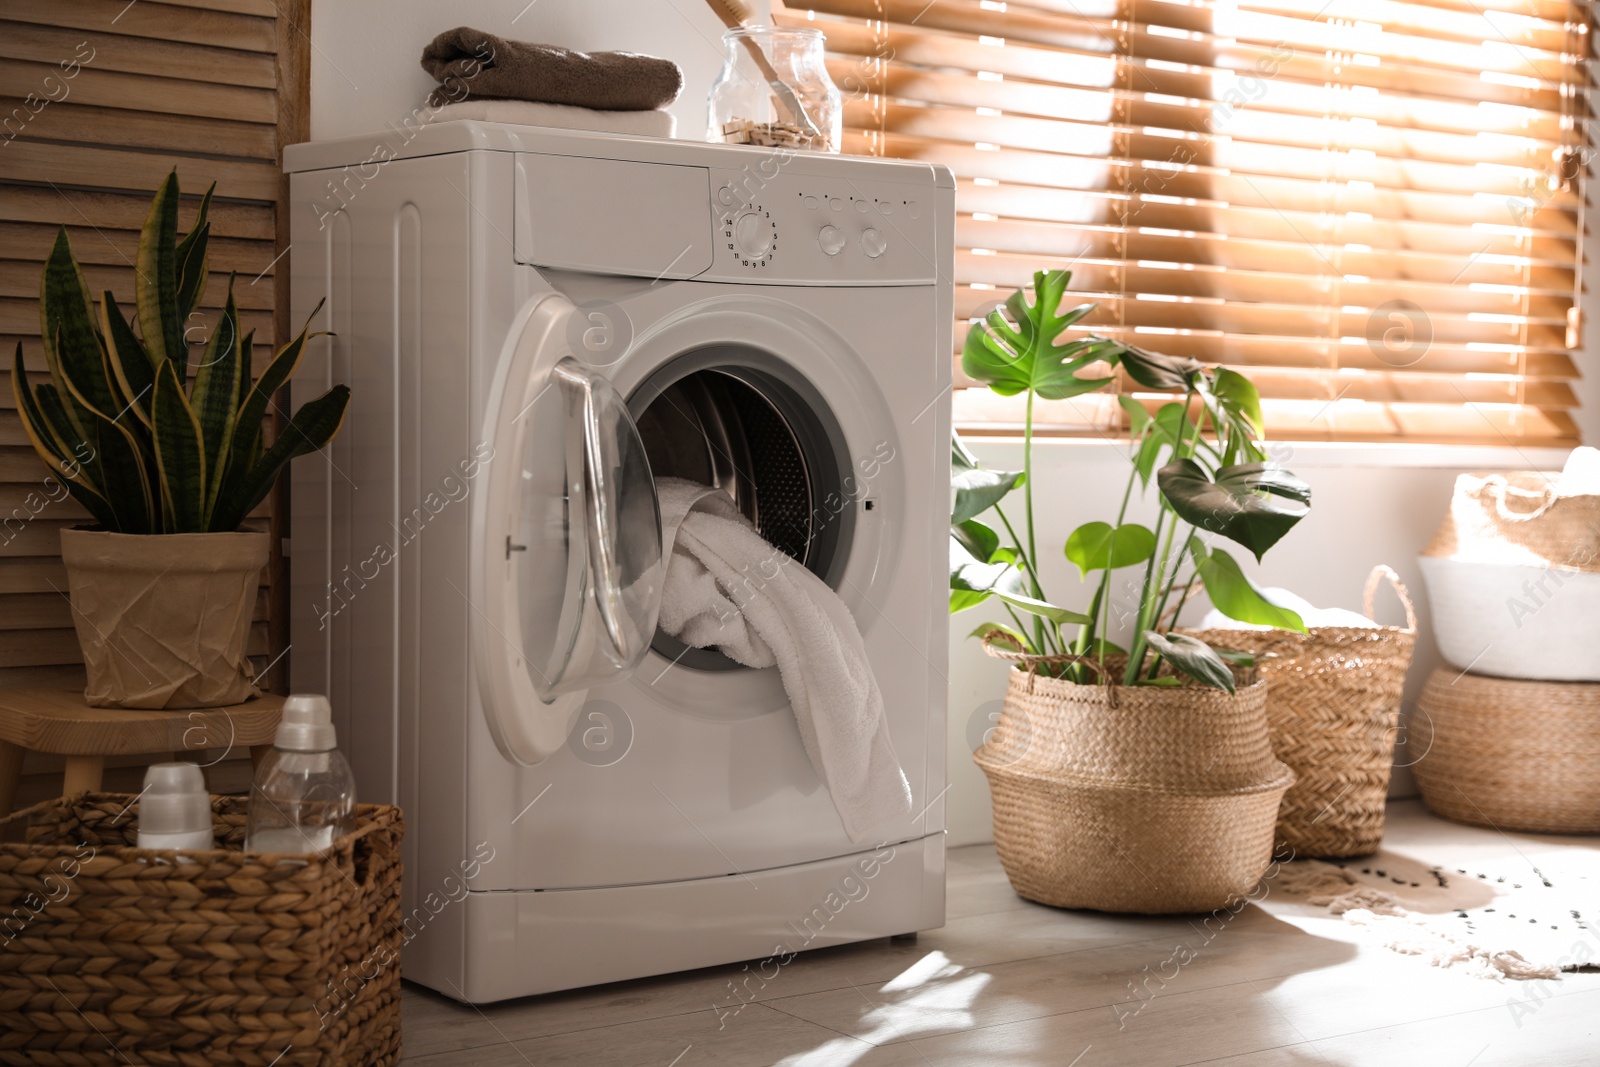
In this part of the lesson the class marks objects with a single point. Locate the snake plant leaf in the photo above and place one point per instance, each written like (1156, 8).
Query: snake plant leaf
(180, 455)
(1098, 546)
(156, 283)
(125, 485)
(129, 363)
(246, 368)
(192, 258)
(1253, 504)
(978, 539)
(56, 455)
(1154, 370)
(1193, 657)
(244, 448)
(309, 430)
(1234, 594)
(1018, 354)
(214, 398)
(79, 464)
(70, 441)
(67, 319)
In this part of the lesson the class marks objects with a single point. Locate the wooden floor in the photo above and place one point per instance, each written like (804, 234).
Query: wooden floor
(1006, 982)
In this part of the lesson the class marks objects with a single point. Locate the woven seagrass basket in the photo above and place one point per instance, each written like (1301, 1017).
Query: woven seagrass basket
(1333, 706)
(1511, 754)
(1131, 799)
(111, 954)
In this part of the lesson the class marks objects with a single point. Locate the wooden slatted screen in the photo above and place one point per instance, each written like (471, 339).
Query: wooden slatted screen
(1371, 206)
(99, 99)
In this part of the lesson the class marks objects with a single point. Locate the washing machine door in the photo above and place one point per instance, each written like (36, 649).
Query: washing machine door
(569, 565)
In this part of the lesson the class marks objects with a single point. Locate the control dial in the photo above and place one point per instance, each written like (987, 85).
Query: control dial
(872, 243)
(752, 233)
(831, 239)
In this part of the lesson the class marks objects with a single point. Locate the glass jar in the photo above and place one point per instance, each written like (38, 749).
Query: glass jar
(768, 73)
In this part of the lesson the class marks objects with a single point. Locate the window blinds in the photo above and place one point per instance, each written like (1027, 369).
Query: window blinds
(1371, 207)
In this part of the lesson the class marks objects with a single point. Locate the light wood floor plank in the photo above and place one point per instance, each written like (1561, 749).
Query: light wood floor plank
(1008, 983)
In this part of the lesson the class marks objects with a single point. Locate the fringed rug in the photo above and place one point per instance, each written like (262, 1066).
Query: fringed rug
(1521, 917)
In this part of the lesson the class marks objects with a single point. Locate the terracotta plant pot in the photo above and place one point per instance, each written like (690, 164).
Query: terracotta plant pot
(1132, 799)
(163, 620)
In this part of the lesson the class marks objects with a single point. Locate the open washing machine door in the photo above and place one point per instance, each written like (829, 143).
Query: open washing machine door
(569, 566)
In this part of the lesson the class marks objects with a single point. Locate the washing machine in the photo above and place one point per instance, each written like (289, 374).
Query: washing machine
(535, 325)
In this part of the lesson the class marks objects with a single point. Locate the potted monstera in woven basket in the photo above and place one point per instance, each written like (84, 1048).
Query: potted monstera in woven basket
(159, 437)
(1141, 777)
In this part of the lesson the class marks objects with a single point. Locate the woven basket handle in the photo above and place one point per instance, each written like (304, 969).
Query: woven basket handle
(1499, 490)
(1380, 572)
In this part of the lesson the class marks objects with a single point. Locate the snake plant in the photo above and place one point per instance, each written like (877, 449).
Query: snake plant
(144, 444)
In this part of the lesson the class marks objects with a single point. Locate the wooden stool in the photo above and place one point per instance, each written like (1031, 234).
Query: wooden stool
(58, 722)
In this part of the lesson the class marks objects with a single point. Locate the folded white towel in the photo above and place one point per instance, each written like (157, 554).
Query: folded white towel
(559, 116)
(727, 587)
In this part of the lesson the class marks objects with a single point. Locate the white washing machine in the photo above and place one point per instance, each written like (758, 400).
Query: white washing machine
(534, 324)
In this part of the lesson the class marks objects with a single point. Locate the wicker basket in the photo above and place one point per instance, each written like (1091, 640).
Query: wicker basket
(110, 956)
(1513, 755)
(1333, 707)
(1131, 799)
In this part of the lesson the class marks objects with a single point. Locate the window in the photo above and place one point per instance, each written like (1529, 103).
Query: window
(1372, 207)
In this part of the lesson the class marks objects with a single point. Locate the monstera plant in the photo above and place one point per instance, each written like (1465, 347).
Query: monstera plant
(1204, 451)
(1138, 777)
(155, 433)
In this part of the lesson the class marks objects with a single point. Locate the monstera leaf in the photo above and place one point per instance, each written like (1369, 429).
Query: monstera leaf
(972, 581)
(1099, 546)
(1018, 352)
(1193, 657)
(1254, 504)
(1235, 595)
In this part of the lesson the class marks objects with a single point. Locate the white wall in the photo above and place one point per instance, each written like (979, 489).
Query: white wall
(365, 72)
(1369, 505)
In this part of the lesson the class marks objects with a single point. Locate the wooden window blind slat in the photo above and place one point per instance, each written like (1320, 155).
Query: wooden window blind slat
(1263, 183)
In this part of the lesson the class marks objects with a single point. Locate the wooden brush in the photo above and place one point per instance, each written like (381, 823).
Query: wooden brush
(735, 15)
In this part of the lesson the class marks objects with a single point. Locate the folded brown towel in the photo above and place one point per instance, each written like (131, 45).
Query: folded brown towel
(471, 63)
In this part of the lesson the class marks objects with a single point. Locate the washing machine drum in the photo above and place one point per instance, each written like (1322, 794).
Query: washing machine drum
(570, 563)
(731, 417)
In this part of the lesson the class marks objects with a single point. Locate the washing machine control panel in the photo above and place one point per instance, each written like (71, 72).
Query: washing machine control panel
(776, 225)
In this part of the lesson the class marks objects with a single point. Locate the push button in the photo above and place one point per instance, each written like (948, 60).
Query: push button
(830, 240)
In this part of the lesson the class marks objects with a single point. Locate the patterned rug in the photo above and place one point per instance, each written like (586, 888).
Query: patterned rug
(1523, 917)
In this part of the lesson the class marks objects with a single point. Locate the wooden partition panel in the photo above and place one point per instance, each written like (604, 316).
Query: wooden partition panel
(99, 100)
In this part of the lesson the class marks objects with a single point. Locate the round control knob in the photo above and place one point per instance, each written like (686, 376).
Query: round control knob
(830, 240)
(872, 243)
(752, 235)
